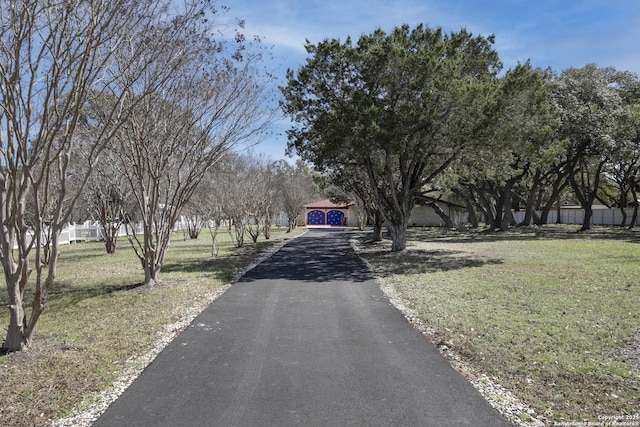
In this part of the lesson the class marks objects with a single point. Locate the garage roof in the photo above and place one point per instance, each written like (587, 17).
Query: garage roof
(327, 203)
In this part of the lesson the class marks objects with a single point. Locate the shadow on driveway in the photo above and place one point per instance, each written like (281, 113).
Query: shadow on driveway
(318, 256)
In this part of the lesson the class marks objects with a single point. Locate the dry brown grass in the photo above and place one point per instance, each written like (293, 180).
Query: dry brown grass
(97, 318)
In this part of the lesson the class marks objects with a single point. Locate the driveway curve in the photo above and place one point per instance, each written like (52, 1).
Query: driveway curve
(307, 338)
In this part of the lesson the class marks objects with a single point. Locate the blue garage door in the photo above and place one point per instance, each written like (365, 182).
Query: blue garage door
(315, 218)
(335, 217)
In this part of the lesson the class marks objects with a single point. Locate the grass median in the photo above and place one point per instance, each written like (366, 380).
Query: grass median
(550, 314)
(97, 319)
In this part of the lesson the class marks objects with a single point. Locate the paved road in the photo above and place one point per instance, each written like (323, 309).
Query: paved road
(305, 339)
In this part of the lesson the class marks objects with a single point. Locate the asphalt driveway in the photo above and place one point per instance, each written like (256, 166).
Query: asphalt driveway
(307, 338)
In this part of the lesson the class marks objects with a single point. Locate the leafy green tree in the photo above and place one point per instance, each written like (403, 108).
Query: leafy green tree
(623, 169)
(519, 144)
(401, 106)
(592, 109)
(349, 184)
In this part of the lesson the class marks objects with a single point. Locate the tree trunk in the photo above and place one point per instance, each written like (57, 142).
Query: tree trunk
(254, 229)
(556, 188)
(110, 244)
(16, 339)
(398, 230)
(499, 210)
(506, 208)
(154, 247)
(441, 213)
(471, 212)
(634, 217)
(484, 205)
(239, 228)
(214, 235)
(586, 191)
(292, 224)
(151, 275)
(214, 247)
(20, 331)
(362, 213)
(153, 260)
(588, 214)
(395, 211)
(378, 222)
(529, 212)
(487, 210)
(110, 217)
(530, 216)
(505, 217)
(397, 220)
(110, 237)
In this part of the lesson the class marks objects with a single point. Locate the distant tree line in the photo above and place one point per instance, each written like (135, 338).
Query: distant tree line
(244, 195)
(421, 116)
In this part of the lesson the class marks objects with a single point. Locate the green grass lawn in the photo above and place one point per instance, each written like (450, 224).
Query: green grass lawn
(97, 318)
(550, 314)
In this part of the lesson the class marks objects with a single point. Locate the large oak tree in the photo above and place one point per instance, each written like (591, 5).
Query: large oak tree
(592, 109)
(520, 144)
(400, 106)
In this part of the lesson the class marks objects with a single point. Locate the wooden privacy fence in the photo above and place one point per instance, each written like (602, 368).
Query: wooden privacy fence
(612, 216)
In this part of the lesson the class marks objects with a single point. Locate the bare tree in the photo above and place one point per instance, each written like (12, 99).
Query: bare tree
(212, 99)
(55, 59)
(296, 188)
(260, 192)
(271, 202)
(108, 198)
(234, 197)
(212, 195)
(196, 213)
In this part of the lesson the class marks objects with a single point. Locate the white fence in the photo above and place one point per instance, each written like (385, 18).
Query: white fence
(611, 216)
(92, 231)
(89, 231)
(82, 233)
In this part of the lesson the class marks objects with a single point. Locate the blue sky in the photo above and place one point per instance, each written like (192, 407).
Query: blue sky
(551, 33)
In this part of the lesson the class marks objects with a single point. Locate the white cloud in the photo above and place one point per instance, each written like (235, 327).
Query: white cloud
(550, 32)
(554, 33)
